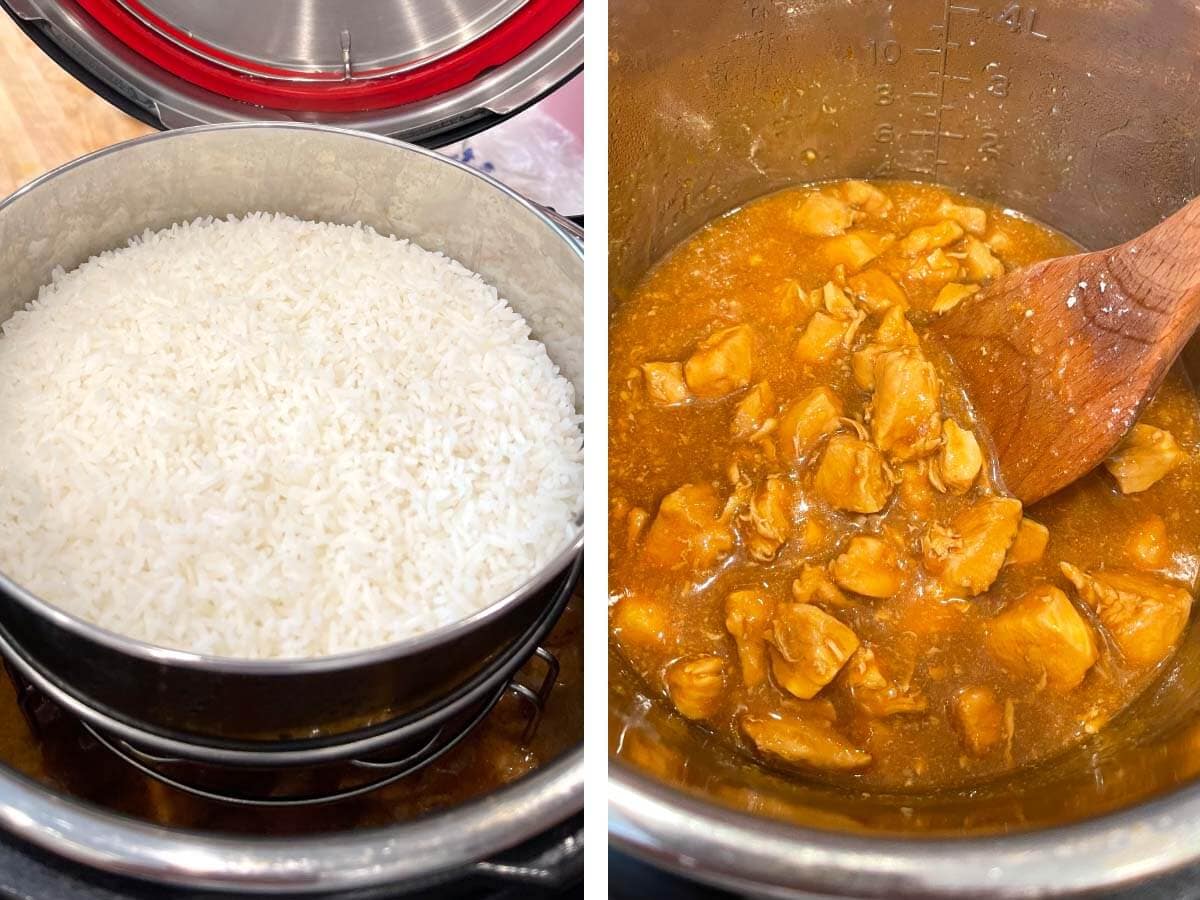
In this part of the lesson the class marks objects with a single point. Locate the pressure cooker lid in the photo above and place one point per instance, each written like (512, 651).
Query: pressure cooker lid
(422, 71)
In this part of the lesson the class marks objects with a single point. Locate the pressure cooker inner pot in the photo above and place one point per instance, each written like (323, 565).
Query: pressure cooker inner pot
(1083, 116)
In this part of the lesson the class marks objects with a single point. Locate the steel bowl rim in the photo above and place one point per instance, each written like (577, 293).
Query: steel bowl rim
(184, 659)
(119, 845)
(702, 839)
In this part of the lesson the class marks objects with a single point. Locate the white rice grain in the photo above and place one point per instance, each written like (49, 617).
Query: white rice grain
(268, 438)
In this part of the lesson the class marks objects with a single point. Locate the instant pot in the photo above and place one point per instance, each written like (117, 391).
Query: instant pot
(289, 82)
(1083, 115)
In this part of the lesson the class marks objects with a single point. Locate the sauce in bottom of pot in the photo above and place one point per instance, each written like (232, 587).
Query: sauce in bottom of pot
(64, 757)
(811, 558)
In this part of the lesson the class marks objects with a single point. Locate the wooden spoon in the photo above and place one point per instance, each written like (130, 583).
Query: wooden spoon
(1059, 358)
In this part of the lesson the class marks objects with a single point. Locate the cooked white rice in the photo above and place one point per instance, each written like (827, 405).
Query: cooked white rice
(274, 438)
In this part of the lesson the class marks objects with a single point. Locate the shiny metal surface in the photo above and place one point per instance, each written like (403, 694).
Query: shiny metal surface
(404, 857)
(301, 40)
(1084, 115)
(173, 103)
(327, 174)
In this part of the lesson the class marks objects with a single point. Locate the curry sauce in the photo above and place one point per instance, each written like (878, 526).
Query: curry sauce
(812, 557)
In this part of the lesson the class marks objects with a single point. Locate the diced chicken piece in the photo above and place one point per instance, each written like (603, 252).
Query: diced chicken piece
(981, 263)
(1144, 456)
(639, 620)
(815, 586)
(906, 420)
(695, 685)
(922, 240)
(821, 215)
(664, 382)
(866, 197)
(893, 333)
(722, 362)
(935, 269)
(971, 218)
(837, 302)
(958, 462)
(747, 618)
(689, 530)
(804, 422)
(852, 475)
(1148, 546)
(877, 291)
(1000, 241)
(915, 493)
(855, 249)
(1143, 614)
(869, 566)
(968, 555)
(1042, 635)
(1030, 543)
(951, 295)
(980, 719)
(770, 516)
(635, 524)
(821, 340)
(808, 648)
(875, 693)
(754, 416)
(808, 741)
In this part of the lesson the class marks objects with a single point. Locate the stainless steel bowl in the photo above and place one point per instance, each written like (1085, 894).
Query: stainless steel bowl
(326, 174)
(1084, 115)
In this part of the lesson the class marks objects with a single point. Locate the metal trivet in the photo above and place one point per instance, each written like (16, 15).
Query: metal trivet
(327, 783)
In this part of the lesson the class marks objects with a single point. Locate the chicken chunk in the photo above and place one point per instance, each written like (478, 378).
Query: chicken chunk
(971, 218)
(1030, 543)
(979, 718)
(808, 648)
(855, 249)
(639, 620)
(922, 240)
(722, 362)
(664, 382)
(893, 333)
(1042, 635)
(747, 619)
(689, 530)
(906, 420)
(877, 291)
(821, 215)
(808, 741)
(968, 555)
(754, 416)
(1143, 614)
(770, 516)
(815, 586)
(869, 566)
(1147, 546)
(866, 197)
(951, 295)
(981, 263)
(1144, 456)
(935, 269)
(958, 462)
(821, 340)
(804, 422)
(875, 693)
(695, 685)
(852, 475)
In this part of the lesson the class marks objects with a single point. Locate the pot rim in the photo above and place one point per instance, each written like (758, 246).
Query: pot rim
(410, 851)
(418, 643)
(720, 845)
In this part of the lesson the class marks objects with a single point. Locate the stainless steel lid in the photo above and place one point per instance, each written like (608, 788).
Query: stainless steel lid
(424, 72)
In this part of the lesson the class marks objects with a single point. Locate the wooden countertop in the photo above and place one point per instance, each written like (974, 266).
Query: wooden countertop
(46, 116)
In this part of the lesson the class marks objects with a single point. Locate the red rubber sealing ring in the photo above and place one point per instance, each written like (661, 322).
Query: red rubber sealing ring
(327, 93)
